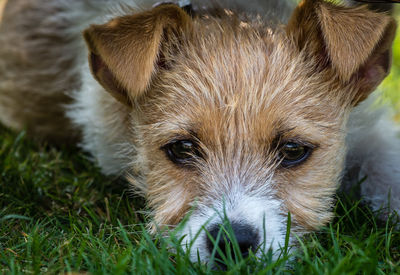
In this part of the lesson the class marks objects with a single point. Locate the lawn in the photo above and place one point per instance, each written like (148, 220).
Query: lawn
(59, 214)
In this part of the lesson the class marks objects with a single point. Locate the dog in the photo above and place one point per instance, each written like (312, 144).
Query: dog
(251, 111)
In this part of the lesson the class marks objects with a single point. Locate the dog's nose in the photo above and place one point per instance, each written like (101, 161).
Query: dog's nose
(247, 238)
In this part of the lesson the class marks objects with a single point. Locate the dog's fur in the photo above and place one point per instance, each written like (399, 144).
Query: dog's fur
(238, 83)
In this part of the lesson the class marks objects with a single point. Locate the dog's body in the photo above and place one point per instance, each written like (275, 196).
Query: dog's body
(236, 89)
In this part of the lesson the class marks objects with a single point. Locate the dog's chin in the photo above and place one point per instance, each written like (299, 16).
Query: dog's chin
(256, 222)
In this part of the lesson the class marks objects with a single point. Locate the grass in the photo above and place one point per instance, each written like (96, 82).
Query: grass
(58, 214)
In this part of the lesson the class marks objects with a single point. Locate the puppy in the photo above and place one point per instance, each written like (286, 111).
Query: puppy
(219, 112)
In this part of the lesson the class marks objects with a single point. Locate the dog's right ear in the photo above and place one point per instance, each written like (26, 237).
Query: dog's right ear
(354, 42)
(124, 53)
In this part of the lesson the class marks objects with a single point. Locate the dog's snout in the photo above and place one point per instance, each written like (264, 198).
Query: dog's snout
(246, 237)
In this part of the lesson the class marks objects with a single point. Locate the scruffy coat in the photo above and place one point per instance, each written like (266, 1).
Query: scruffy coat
(239, 82)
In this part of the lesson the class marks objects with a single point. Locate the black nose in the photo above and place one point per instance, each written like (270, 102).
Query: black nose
(247, 238)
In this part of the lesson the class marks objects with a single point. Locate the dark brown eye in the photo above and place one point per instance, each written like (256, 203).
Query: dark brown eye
(293, 154)
(181, 151)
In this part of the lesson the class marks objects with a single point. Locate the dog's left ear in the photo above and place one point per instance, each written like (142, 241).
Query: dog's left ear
(125, 53)
(353, 41)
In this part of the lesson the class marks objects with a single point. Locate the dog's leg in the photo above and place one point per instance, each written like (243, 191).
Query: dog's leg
(374, 156)
(37, 67)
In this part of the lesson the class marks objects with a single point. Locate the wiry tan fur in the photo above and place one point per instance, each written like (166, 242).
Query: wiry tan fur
(236, 106)
(233, 82)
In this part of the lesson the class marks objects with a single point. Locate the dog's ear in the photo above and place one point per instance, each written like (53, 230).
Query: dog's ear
(124, 53)
(353, 41)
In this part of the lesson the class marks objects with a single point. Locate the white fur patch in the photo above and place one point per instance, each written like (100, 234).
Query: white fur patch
(103, 121)
(262, 213)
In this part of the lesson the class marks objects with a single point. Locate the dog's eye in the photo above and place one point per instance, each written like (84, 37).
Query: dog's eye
(292, 154)
(181, 151)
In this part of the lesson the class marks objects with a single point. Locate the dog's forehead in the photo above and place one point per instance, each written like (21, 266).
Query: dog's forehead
(243, 78)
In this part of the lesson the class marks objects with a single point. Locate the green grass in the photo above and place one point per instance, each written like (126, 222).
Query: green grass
(59, 214)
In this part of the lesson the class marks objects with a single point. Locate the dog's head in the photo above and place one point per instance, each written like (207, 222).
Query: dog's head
(234, 117)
